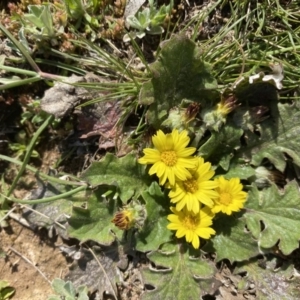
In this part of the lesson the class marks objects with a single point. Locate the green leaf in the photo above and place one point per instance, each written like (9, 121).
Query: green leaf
(179, 73)
(6, 291)
(40, 16)
(35, 15)
(125, 173)
(278, 136)
(66, 290)
(82, 293)
(92, 220)
(273, 279)
(63, 288)
(220, 147)
(154, 231)
(231, 240)
(176, 274)
(239, 169)
(135, 23)
(280, 215)
(53, 297)
(74, 8)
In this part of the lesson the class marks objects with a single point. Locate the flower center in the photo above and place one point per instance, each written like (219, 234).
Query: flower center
(169, 158)
(191, 185)
(190, 222)
(225, 198)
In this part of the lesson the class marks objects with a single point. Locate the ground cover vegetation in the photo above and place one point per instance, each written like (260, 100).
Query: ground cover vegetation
(154, 144)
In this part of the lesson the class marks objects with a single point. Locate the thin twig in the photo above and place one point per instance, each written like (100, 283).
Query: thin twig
(30, 262)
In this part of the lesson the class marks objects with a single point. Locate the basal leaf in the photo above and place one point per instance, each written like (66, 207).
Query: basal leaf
(273, 279)
(125, 173)
(280, 215)
(240, 169)
(92, 220)
(178, 274)
(179, 73)
(97, 269)
(231, 240)
(220, 147)
(52, 214)
(154, 231)
(278, 136)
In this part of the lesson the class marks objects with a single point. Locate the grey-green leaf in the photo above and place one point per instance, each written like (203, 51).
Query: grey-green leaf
(231, 241)
(178, 274)
(125, 173)
(279, 212)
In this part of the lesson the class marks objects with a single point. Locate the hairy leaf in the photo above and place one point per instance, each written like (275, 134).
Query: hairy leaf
(220, 147)
(97, 269)
(52, 214)
(65, 289)
(92, 220)
(279, 214)
(278, 136)
(179, 73)
(274, 279)
(125, 173)
(231, 240)
(239, 169)
(176, 274)
(154, 231)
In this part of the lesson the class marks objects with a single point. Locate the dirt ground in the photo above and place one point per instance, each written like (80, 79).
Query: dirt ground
(32, 261)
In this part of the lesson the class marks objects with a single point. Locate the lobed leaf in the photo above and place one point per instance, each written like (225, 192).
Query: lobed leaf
(125, 173)
(279, 214)
(278, 136)
(92, 220)
(220, 147)
(52, 214)
(273, 279)
(154, 231)
(178, 73)
(231, 241)
(97, 270)
(177, 274)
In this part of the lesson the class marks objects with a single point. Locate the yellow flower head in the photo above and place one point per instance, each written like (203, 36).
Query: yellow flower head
(171, 158)
(192, 226)
(198, 189)
(231, 197)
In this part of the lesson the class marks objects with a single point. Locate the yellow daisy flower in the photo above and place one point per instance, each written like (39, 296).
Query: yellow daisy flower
(198, 189)
(231, 197)
(191, 225)
(171, 158)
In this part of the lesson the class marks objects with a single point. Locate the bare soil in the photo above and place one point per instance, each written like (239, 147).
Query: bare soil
(37, 255)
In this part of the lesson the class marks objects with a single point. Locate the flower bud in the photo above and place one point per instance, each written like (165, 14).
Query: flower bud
(131, 215)
(215, 118)
(180, 117)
